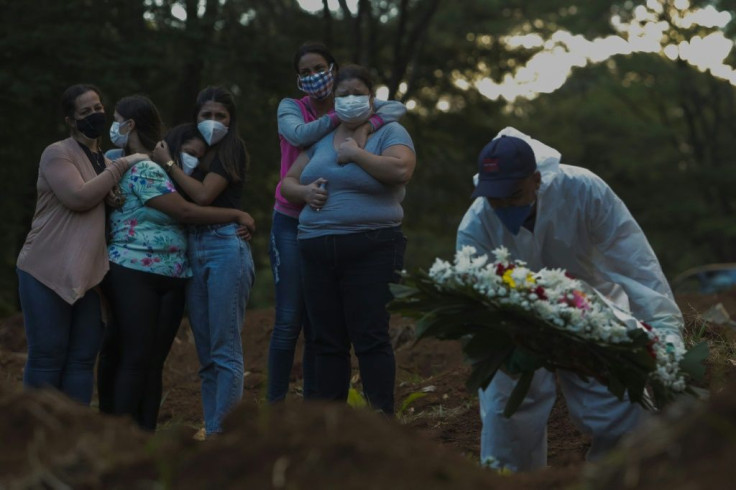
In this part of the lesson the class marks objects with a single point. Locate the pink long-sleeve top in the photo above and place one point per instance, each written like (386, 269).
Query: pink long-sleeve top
(65, 249)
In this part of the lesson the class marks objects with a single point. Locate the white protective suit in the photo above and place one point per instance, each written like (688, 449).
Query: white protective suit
(583, 227)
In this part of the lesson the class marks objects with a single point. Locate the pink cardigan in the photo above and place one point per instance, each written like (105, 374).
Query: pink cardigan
(65, 249)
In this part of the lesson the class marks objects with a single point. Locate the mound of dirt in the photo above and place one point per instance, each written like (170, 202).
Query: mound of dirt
(48, 441)
(57, 443)
(692, 445)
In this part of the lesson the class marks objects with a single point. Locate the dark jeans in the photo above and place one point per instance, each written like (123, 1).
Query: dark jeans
(63, 339)
(147, 310)
(346, 284)
(290, 316)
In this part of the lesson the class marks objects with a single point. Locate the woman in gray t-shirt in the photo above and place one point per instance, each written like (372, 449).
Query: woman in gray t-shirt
(351, 242)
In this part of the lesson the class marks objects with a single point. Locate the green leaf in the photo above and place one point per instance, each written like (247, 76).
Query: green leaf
(411, 399)
(484, 342)
(692, 362)
(616, 386)
(521, 361)
(485, 369)
(355, 399)
(519, 393)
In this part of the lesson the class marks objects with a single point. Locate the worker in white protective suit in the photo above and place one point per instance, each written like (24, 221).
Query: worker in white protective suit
(560, 216)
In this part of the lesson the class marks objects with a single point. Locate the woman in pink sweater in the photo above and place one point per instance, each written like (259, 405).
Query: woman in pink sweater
(64, 256)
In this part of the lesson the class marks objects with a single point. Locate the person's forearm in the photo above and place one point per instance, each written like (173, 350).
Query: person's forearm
(193, 214)
(299, 133)
(78, 195)
(389, 170)
(293, 191)
(192, 187)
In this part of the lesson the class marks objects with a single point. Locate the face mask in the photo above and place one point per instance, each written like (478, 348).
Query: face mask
(513, 217)
(353, 108)
(318, 85)
(212, 131)
(92, 126)
(188, 162)
(118, 139)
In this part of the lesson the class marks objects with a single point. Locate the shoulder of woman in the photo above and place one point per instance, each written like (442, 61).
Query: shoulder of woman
(60, 149)
(147, 166)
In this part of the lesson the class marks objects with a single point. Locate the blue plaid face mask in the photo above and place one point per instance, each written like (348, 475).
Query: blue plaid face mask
(318, 85)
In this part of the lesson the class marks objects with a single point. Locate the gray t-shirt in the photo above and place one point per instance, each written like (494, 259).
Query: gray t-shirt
(356, 201)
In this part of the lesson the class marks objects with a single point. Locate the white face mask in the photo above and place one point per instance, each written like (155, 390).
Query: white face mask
(188, 162)
(212, 131)
(353, 108)
(118, 139)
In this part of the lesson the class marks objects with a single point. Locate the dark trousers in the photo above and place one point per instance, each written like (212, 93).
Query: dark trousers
(346, 286)
(147, 310)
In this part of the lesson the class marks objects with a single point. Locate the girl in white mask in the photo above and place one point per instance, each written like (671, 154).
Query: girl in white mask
(186, 145)
(222, 266)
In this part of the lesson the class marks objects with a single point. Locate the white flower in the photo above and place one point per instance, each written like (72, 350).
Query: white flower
(597, 323)
(502, 255)
(552, 278)
(440, 271)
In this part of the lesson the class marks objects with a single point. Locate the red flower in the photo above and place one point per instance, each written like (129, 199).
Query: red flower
(501, 269)
(539, 291)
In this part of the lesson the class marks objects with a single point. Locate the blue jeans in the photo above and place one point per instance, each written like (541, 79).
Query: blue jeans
(223, 275)
(63, 339)
(290, 312)
(346, 286)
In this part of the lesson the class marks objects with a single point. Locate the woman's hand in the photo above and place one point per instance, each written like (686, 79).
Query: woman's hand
(347, 150)
(161, 153)
(362, 132)
(315, 194)
(135, 158)
(247, 226)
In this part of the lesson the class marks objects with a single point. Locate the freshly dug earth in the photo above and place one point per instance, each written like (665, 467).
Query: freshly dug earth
(433, 443)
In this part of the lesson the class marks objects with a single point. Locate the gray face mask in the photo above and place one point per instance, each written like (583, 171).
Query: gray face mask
(118, 139)
(353, 108)
(212, 131)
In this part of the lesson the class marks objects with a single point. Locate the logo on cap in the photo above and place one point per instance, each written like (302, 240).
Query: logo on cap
(490, 165)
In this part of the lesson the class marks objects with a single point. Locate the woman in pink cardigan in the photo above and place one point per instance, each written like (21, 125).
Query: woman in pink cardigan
(64, 256)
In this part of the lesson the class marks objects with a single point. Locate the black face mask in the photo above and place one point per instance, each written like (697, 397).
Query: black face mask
(93, 125)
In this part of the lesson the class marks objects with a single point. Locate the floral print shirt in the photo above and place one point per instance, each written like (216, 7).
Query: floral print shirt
(144, 238)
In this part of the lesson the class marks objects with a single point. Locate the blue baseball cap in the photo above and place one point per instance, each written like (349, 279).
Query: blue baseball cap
(501, 165)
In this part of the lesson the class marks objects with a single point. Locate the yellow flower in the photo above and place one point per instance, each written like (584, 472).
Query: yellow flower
(508, 279)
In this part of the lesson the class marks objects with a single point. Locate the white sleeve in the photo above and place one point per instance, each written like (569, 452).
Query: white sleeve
(626, 258)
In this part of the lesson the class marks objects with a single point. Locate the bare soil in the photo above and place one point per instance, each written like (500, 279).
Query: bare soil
(432, 443)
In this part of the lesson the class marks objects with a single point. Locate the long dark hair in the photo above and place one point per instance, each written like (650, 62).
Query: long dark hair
(178, 135)
(231, 148)
(317, 48)
(148, 123)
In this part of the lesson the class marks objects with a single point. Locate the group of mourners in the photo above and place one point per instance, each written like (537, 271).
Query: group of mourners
(121, 242)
